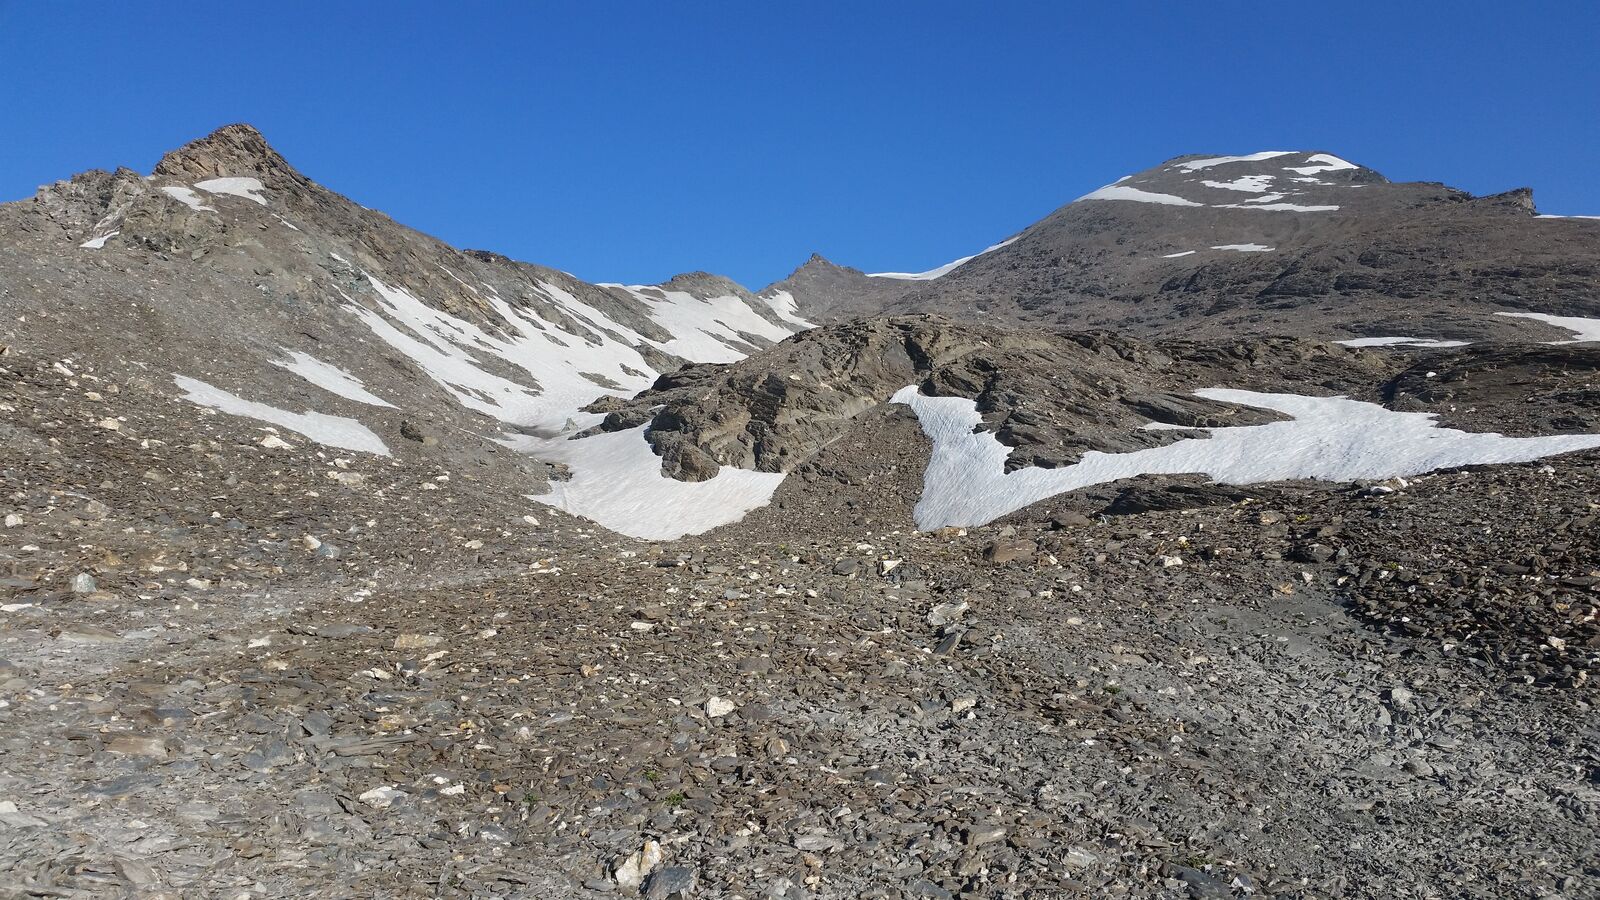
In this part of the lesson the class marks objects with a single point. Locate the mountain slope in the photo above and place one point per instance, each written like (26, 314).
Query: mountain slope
(1295, 243)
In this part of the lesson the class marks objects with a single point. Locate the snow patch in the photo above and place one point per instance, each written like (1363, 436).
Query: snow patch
(1123, 192)
(330, 378)
(1178, 254)
(704, 329)
(188, 198)
(1329, 439)
(1253, 184)
(1282, 207)
(1244, 248)
(785, 307)
(1195, 165)
(617, 482)
(1583, 329)
(99, 242)
(455, 353)
(1321, 162)
(248, 188)
(948, 267)
(332, 431)
(1399, 342)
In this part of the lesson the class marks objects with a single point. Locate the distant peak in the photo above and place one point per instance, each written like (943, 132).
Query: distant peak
(231, 150)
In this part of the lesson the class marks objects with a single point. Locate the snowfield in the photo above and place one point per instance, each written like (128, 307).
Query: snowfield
(1329, 439)
(617, 482)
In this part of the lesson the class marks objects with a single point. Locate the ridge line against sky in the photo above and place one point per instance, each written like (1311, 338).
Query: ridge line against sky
(625, 141)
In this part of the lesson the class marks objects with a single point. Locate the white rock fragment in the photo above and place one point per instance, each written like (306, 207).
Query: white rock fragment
(717, 707)
(382, 797)
(631, 872)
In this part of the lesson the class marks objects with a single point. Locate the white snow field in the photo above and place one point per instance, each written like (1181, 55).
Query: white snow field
(332, 431)
(1329, 439)
(1244, 248)
(330, 378)
(1583, 329)
(617, 482)
(248, 188)
(99, 242)
(1399, 342)
(943, 270)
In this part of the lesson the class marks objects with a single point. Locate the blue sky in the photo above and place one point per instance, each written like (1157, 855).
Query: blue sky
(628, 141)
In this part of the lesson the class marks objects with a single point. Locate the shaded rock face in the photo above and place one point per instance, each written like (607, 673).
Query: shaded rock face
(1051, 396)
(1280, 245)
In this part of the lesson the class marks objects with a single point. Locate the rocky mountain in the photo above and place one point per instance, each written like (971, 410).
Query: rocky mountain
(1303, 244)
(342, 562)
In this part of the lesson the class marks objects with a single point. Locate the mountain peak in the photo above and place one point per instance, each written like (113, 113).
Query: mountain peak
(232, 150)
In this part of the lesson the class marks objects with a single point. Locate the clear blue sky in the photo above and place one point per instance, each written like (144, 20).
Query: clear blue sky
(630, 141)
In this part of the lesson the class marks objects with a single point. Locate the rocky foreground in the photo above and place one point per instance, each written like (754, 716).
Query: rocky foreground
(1148, 690)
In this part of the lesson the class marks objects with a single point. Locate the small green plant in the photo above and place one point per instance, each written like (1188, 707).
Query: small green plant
(1113, 689)
(652, 776)
(674, 800)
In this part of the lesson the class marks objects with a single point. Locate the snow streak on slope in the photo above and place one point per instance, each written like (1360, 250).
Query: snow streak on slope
(1194, 165)
(617, 482)
(788, 309)
(1399, 342)
(333, 431)
(1330, 439)
(945, 269)
(330, 378)
(459, 356)
(1123, 192)
(705, 329)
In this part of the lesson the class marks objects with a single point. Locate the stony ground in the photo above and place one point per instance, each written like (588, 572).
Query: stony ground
(1268, 695)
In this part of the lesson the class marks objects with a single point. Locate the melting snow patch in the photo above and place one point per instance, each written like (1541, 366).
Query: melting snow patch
(1253, 184)
(1321, 162)
(1329, 439)
(1123, 192)
(1244, 248)
(187, 198)
(97, 243)
(788, 309)
(951, 266)
(1194, 165)
(705, 330)
(453, 352)
(330, 378)
(1178, 254)
(617, 482)
(1282, 207)
(248, 188)
(1583, 329)
(333, 431)
(1399, 342)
